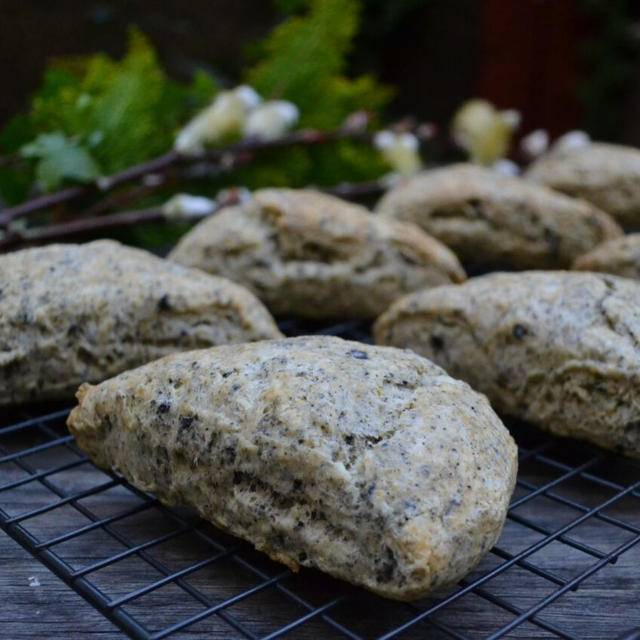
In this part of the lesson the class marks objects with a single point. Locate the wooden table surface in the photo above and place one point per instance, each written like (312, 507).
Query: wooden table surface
(36, 604)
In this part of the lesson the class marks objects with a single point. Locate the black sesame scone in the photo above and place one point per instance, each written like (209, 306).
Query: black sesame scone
(607, 175)
(620, 257)
(309, 254)
(558, 349)
(369, 463)
(492, 220)
(75, 313)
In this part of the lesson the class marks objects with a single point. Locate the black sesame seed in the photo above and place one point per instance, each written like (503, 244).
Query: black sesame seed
(519, 332)
(186, 422)
(359, 355)
(163, 407)
(229, 455)
(386, 573)
(163, 303)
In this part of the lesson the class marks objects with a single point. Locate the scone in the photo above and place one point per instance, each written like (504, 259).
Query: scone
(607, 175)
(75, 313)
(312, 255)
(492, 220)
(558, 349)
(369, 463)
(620, 256)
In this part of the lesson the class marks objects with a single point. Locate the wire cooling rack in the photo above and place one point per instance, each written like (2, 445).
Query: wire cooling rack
(157, 572)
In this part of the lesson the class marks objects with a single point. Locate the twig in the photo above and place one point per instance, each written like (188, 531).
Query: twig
(41, 235)
(356, 191)
(353, 129)
(162, 163)
(151, 183)
(92, 224)
(89, 225)
(102, 184)
(126, 197)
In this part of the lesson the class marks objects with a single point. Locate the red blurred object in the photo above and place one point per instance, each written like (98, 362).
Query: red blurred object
(530, 60)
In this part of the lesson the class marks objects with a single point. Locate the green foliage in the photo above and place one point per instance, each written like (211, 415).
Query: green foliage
(304, 60)
(117, 113)
(96, 115)
(59, 157)
(15, 182)
(612, 56)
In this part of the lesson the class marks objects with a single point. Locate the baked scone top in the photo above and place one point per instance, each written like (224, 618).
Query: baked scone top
(76, 276)
(560, 349)
(71, 313)
(620, 256)
(491, 219)
(608, 175)
(308, 253)
(367, 462)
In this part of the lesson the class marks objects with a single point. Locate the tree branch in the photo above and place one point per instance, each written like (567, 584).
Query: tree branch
(83, 226)
(96, 223)
(101, 184)
(162, 163)
(356, 191)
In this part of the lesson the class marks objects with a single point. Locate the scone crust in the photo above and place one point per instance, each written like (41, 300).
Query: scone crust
(366, 462)
(558, 349)
(606, 175)
(493, 220)
(75, 313)
(620, 257)
(308, 254)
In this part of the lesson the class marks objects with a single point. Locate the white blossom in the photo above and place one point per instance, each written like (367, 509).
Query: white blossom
(506, 167)
(183, 206)
(483, 131)
(223, 118)
(249, 96)
(271, 120)
(572, 140)
(400, 150)
(534, 144)
(511, 118)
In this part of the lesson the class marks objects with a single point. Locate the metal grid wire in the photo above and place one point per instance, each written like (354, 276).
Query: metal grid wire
(575, 512)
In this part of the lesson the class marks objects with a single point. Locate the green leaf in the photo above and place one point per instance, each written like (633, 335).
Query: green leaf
(304, 61)
(125, 111)
(58, 159)
(202, 90)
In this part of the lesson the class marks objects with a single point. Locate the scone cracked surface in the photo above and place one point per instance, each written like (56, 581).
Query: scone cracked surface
(75, 313)
(607, 175)
(366, 462)
(620, 257)
(494, 220)
(308, 254)
(558, 349)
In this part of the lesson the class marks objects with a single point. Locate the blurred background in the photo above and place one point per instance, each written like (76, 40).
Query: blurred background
(94, 88)
(562, 63)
